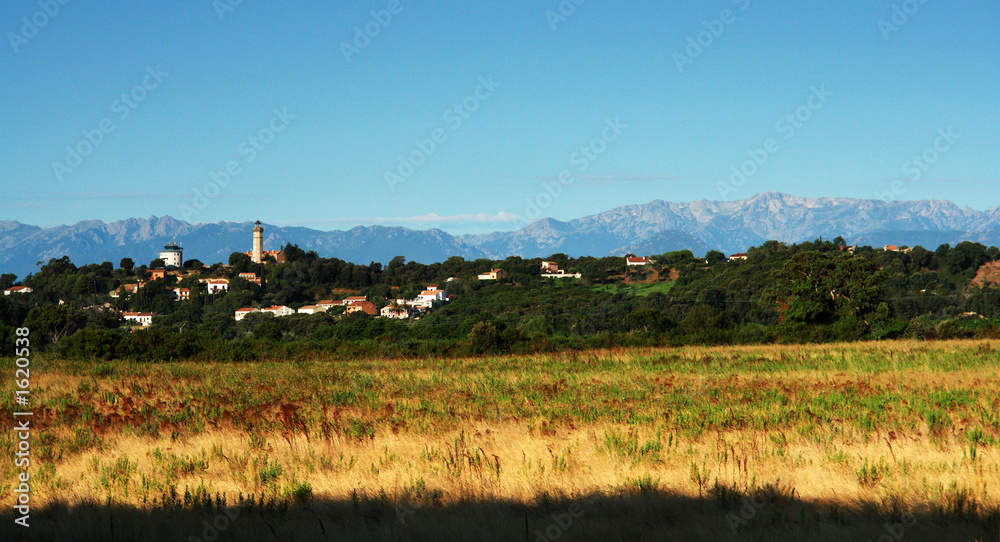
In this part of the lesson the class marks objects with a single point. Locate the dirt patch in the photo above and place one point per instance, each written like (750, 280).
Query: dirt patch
(653, 276)
(988, 275)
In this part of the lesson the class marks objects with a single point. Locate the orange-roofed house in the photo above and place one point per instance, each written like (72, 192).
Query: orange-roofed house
(361, 306)
(242, 313)
(17, 290)
(278, 255)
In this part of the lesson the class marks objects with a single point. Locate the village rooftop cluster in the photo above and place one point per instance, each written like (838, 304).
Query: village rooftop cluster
(431, 295)
(172, 257)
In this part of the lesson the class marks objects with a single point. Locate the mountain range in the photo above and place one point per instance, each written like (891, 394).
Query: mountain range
(653, 228)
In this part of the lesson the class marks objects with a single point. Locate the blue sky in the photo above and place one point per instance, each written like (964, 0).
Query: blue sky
(667, 102)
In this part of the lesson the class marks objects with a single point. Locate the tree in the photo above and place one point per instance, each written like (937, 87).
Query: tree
(822, 287)
(395, 264)
(127, 264)
(921, 258)
(157, 263)
(293, 253)
(54, 322)
(240, 262)
(483, 338)
(268, 329)
(7, 280)
(942, 252)
(993, 253)
(809, 299)
(714, 256)
(965, 256)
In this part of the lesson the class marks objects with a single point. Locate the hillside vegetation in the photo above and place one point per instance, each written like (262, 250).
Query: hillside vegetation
(810, 292)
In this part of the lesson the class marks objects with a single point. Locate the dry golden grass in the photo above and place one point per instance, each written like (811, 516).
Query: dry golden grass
(432, 449)
(569, 462)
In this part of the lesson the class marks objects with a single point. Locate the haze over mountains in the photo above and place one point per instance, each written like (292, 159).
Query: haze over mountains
(652, 228)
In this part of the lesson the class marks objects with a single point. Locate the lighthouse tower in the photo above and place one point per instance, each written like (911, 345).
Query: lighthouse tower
(258, 243)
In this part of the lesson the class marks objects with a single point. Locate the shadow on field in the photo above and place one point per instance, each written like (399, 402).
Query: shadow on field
(638, 516)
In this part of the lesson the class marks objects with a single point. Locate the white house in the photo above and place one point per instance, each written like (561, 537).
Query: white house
(144, 319)
(637, 260)
(427, 298)
(310, 309)
(399, 311)
(216, 286)
(493, 274)
(279, 310)
(182, 294)
(551, 270)
(242, 313)
(17, 290)
(738, 256)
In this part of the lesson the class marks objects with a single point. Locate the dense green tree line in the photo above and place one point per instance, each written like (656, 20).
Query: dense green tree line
(813, 291)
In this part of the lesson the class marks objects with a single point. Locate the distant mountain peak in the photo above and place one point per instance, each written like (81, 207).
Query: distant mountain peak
(655, 227)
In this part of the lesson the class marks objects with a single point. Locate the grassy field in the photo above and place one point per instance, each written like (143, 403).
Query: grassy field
(830, 442)
(640, 289)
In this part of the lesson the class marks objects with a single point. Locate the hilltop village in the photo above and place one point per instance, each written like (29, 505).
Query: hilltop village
(169, 267)
(291, 299)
